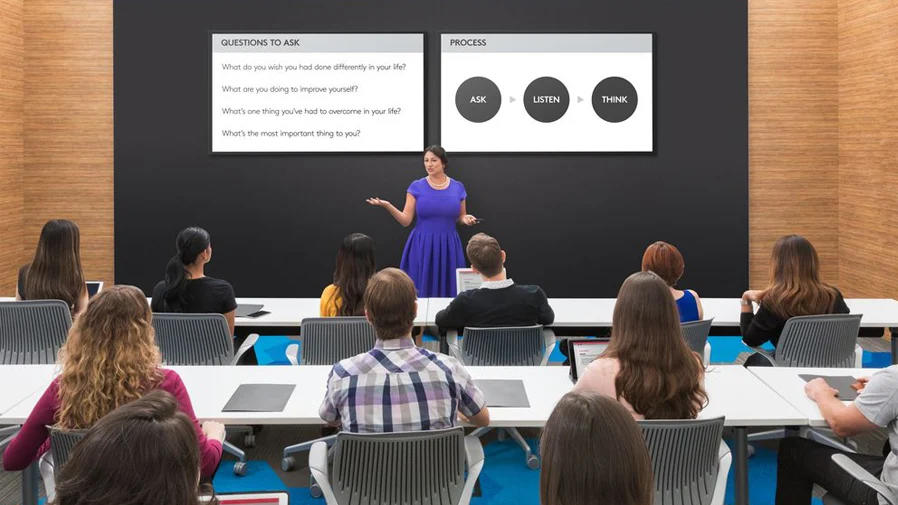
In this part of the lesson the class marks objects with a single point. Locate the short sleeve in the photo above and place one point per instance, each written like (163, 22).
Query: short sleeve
(327, 306)
(878, 402)
(462, 194)
(414, 188)
(470, 398)
(228, 299)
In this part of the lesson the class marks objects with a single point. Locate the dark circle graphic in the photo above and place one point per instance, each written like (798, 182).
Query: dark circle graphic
(478, 99)
(614, 99)
(546, 99)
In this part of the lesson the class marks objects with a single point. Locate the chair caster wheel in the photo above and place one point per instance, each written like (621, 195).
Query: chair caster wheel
(288, 463)
(751, 450)
(240, 468)
(249, 440)
(314, 488)
(532, 462)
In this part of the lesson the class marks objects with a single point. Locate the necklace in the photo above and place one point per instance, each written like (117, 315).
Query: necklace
(438, 186)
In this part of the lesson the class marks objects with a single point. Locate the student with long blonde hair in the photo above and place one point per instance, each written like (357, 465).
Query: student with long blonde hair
(648, 367)
(109, 359)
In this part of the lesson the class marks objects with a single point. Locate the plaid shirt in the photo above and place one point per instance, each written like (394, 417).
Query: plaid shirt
(399, 387)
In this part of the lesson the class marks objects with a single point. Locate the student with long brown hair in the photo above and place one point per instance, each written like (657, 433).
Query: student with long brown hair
(577, 445)
(109, 359)
(666, 260)
(648, 367)
(55, 273)
(355, 265)
(142, 453)
(795, 289)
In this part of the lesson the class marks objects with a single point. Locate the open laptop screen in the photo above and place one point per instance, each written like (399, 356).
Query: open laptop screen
(93, 287)
(582, 352)
(465, 279)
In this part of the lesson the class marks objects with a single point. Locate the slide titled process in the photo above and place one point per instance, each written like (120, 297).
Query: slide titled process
(547, 92)
(298, 92)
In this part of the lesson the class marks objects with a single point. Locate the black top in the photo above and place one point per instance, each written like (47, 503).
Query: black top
(515, 305)
(764, 325)
(206, 295)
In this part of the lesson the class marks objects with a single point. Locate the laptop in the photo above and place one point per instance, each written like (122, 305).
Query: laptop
(582, 351)
(93, 287)
(259, 498)
(465, 279)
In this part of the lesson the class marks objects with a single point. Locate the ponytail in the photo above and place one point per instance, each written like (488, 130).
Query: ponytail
(191, 242)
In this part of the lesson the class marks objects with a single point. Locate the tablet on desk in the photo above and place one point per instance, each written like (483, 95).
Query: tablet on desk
(465, 279)
(582, 352)
(93, 287)
(259, 498)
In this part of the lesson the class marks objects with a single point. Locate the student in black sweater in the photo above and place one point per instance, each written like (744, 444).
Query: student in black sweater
(499, 301)
(795, 289)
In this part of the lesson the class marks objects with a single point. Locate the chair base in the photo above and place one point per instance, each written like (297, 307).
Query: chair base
(532, 460)
(288, 462)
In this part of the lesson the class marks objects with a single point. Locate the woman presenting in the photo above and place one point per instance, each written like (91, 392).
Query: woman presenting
(433, 250)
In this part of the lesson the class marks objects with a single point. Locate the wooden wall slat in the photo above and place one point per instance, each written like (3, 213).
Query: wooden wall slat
(12, 85)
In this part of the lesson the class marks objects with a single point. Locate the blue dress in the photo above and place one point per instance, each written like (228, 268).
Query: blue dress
(433, 250)
(687, 307)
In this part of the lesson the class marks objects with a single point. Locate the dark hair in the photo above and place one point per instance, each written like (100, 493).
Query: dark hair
(191, 242)
(795, 288)
(582, 433)
(390, 303)
(665, 260)
(485, 254)
(355, 265)
(55, 272)
(659, 375)
(440, 153)
(143, 453)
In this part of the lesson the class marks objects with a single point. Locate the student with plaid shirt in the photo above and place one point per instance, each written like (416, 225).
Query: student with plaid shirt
(398, 386)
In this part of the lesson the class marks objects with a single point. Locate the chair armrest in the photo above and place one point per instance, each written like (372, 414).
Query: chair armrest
(725, 460)
(857, 472)
(858, 356)
(706, 356)
(292, 353)
(318, 469)
(474, 459)
(245, 346)
(452, 341)
(8, 439)
(766, 354)
(550, 341)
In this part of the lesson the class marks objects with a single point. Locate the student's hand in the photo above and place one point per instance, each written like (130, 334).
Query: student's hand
(463, 418)
(818, 389)
(753, 295)
(377, 202)
(214, 430)
(860, 384)
(468, 220)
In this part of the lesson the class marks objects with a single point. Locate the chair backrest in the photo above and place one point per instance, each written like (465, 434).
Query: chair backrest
(696, 334)
(31, 332)
(62, 442)
(506, 346)
(193, 339)
(685, 459)
(412, 467)
(327, 340)
(819, 341)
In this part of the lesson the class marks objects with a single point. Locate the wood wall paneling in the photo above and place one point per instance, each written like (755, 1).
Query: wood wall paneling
(12, 63)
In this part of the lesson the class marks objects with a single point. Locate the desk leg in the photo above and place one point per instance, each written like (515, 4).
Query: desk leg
(740, 486)
(444, 343)
(29, 484)
(894, 333)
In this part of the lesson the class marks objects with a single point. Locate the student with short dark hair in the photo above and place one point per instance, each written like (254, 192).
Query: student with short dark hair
(142, 453)
(398, 386)
(55, 272)
(665, 260)
(577, 444)
(186, 288)
(355, 265)
(498, 301)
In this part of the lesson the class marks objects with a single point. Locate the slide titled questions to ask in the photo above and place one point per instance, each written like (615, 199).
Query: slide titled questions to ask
(575, 92)
(298, 92)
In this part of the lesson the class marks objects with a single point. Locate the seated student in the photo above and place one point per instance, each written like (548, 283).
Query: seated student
(355, 265)
(142, 453)
(803, 463)
(397, 386)
(499, 301)
(665, 260)
(648, 367)
(55, 272)
(794, 289)
(186, 287)
(581, 433)
(109, 359)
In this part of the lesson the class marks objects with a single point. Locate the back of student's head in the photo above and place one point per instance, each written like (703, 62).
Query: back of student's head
(143, 453)
(55, 272)
(665, 260)
(390, 303)
(593, 452)
(109, 358)
(355, 265)
(659, 375)
(189, 245)
(795, 287)
(485, 254)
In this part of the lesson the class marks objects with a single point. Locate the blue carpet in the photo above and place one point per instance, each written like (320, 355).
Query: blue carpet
(270, 349)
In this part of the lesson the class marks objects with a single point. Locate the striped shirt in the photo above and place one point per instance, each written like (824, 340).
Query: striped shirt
(398, 386)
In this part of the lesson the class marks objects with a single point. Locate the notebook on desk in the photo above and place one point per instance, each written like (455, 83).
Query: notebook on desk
(258, 498)
(259, 398)
(842, 383)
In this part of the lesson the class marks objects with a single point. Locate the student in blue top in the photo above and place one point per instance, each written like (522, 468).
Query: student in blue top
(665, 260)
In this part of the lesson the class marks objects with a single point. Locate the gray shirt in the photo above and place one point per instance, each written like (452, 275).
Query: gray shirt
(878, 402)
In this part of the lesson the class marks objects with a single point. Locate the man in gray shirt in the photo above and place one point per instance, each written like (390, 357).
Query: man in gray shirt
(803, 463)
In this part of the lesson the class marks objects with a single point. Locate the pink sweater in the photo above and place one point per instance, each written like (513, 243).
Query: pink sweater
(34, 438)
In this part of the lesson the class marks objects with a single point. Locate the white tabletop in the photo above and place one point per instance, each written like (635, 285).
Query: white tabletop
(745, 400)
(21, 382)
(787, 383)
(291, 311)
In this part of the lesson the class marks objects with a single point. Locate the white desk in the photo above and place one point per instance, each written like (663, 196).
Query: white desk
(289, 312)
(734, 392)
(21, 383)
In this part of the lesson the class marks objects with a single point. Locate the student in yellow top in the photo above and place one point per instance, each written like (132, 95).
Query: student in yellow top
(355, 265)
